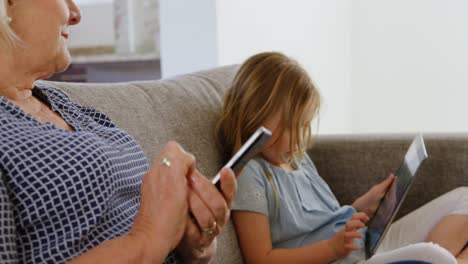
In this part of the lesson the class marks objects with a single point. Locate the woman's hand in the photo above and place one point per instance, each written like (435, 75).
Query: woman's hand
(162, 217)
(369, 202)
(209, 213)
(343, 242)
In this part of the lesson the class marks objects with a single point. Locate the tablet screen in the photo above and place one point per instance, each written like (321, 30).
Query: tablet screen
(394, 197)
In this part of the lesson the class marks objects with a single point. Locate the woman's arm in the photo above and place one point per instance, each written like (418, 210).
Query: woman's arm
(208, 206)
(253, 231)
(125, 249)
(8, 241)
(162, 217)
(163, 224)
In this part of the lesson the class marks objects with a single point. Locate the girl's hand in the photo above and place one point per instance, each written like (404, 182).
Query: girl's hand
(163, 213)
(210, 209)
(343, 242)
(369, 202)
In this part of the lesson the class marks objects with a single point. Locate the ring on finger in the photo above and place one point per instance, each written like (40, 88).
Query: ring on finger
(166, 162)
(210, 230)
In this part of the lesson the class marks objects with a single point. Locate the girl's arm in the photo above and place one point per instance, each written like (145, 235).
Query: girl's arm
(253, 231)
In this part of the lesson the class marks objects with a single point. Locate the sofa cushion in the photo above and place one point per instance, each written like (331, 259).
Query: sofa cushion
(352, 164)
(184, 108)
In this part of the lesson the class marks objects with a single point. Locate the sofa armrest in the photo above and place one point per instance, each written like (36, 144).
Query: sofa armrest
(351, 164)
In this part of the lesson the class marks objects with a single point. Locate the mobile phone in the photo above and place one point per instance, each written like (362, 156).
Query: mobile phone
(250, 148)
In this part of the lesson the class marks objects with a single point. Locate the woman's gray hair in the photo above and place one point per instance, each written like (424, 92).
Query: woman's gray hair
(7, 36)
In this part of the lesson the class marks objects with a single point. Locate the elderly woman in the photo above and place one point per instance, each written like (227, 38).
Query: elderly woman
(73, 186)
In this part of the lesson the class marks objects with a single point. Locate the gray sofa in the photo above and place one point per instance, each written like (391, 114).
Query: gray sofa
(185, 109)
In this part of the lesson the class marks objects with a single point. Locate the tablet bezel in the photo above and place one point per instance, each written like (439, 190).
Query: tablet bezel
(371, 251)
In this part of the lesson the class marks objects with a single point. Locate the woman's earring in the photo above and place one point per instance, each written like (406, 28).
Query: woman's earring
(9, 19)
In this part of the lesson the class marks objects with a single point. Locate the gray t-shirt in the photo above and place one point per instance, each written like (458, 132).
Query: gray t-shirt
(307, 211)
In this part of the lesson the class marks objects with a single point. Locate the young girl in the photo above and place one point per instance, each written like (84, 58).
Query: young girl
(284, 212)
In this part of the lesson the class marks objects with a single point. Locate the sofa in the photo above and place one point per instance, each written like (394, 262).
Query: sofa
(185, 108)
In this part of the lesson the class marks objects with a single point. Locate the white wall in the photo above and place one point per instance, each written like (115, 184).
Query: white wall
(96, 27)
(315, 32)
(211, 33)
(382, 65)
(409, 65)
(188, 36)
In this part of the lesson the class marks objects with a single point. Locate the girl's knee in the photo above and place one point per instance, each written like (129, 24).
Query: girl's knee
(424, 251)
(459, 193)
(432, 251)
(459, 198)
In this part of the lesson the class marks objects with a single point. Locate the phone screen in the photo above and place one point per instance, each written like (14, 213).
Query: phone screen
(250, 148)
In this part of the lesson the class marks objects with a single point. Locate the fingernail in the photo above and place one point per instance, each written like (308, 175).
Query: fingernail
(193, 178)
(225, 170)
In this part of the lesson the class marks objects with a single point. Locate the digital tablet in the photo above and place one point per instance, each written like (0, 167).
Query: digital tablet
(395, 195)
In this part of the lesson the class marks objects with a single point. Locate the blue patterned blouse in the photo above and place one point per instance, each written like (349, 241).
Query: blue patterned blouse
(63, 193)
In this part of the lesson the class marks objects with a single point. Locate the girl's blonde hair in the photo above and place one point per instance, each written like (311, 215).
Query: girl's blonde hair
(265, 84)
(7, 36)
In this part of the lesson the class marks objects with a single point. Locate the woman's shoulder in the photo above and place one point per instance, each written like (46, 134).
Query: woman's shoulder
(3, 111)
(53, 94)
(58, 96)
(9, 122)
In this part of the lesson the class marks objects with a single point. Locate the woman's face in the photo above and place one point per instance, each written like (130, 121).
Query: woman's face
(43, 27)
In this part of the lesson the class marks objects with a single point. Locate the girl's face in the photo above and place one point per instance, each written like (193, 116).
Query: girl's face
(278, 149)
